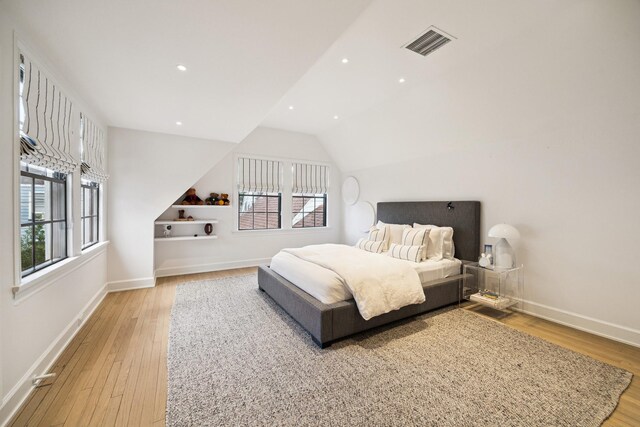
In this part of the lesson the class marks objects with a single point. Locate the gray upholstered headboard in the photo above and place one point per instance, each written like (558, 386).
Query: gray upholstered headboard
(464, 217)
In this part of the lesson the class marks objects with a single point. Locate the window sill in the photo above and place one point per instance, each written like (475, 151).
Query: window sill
(281, 231)
(36, 282)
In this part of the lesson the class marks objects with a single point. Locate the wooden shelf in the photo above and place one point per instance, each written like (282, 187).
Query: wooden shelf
(199, 206)
(176, 238)
(195, 221)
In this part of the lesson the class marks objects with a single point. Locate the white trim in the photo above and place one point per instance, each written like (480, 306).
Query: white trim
(601, 328)
(19, 393)
(128, 285)
(38, 281)
(215, 266)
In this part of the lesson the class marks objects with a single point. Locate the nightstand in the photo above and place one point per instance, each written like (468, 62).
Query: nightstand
(499, 289)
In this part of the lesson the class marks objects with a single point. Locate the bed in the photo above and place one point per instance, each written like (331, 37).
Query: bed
(331, 321)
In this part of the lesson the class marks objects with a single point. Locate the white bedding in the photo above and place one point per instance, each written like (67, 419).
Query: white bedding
(379, 284)
(327, 287)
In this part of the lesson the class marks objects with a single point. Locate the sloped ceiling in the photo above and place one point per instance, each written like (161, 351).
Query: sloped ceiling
(242, 56)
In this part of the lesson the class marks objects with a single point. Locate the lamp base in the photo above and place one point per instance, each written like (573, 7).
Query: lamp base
(505, 256)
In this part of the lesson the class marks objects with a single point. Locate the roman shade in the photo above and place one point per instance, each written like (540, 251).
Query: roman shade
(310, 178)
(46, 138)
(92, 136)
(259, 176)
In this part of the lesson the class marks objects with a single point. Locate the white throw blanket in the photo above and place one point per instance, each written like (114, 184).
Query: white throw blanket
(379, 284)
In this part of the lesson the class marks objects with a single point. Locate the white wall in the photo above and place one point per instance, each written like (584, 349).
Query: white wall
(544, 130)
(244, 248)
(149, 171)
(35, 327)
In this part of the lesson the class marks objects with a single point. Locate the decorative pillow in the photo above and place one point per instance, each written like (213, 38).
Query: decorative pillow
(434, 248)
(417, 237)
(409, 253)
(444, 235)
(380, 234)
(448, 249)
(370, 245)
(395, 231)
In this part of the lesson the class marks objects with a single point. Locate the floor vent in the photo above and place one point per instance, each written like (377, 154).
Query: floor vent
(429, 42)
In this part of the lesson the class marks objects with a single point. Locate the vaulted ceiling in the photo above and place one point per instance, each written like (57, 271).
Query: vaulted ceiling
(241, 56)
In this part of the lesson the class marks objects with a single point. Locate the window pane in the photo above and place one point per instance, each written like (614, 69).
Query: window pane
(246, 203)
(297, 223)
(58, 193)
(272, 204)
(94, 224)
(87, 202)
(320, 204)
(43, 200)
(25, 199)
(26, 247)
(86, 231)
(273, 220)
(43, 250)
(320, 222)
(309, 204)
(245, 222)
(59, 241)
(260, 221)
(297, 204)
(260, 204)
(309, 220)
(94, 201)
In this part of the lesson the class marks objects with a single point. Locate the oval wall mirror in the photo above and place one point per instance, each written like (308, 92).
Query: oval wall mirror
(350, 190)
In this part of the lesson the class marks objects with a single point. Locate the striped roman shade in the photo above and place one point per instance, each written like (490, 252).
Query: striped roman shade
(46, 138)
(259, 176)
(370, 245)
(310, 179)
(92, 136)
(409, 253)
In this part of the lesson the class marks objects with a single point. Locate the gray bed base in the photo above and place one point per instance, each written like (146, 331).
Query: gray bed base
(328, 323)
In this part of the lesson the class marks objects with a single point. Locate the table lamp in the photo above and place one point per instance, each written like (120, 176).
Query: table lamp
(505, 256)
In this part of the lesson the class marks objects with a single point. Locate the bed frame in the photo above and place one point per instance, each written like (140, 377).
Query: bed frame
(330, 322)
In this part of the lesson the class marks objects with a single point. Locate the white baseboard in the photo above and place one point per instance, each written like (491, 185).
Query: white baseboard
(127, 285)
(216, 266)
(20, 392)
(583, 323)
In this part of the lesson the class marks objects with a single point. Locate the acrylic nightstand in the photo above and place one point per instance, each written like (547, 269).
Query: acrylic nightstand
(499, 289)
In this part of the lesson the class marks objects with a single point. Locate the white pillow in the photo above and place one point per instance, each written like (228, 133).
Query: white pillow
(395, 231)
(434, 248)
(409, 253)
(417, 237)
(370, 245)
(380, 235)
(444, 235)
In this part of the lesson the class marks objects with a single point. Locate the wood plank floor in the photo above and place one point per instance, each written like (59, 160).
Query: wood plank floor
(114, 371)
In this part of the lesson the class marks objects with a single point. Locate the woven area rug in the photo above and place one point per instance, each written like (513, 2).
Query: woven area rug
(236, 359)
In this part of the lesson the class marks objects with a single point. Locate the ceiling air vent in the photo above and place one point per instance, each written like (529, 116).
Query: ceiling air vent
(429, 41)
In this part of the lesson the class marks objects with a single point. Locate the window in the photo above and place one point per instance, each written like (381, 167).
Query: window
(90, 212)
(309, 210)
(259, 211)
(43, 217)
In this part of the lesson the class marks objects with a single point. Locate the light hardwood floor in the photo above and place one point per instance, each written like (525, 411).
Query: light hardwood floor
(114, 370)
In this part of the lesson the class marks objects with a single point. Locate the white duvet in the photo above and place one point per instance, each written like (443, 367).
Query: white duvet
(378, 284)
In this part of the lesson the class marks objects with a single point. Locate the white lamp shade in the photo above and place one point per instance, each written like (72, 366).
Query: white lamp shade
(504, 231)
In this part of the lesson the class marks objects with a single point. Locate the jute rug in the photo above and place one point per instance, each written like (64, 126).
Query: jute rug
(236, 359)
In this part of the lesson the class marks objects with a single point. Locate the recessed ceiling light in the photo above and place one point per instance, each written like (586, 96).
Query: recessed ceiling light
(181, 67)
(179, 123)
(401, 80)
(336, 117)
(290, 107)
(345, 60)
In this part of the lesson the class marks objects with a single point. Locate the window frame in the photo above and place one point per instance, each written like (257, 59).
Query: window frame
(323, 197)
(94, 189)
(256, 194)
(33, 223)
